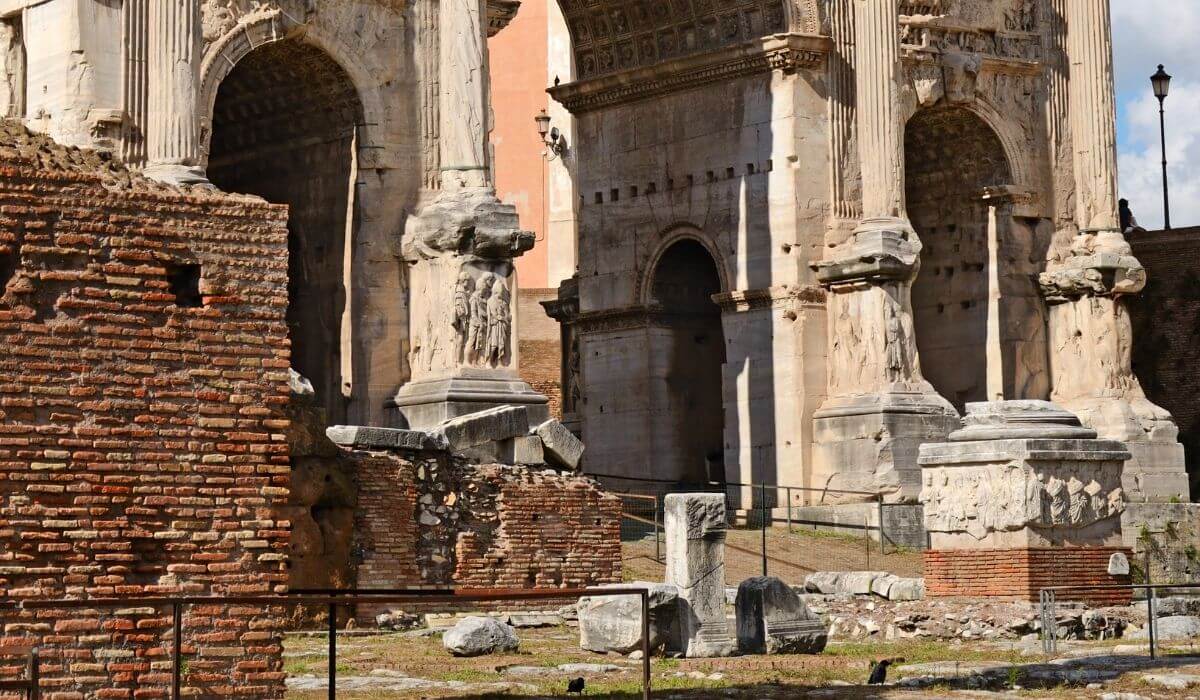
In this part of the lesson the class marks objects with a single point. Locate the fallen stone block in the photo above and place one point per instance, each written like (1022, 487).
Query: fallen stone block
(477, 636)
(524, 450)
(363, 437)
(534, 620)
(493, 425)
(903, 589)
(836, 582)
(771, 619)
(613, 624)
(562, 447)
(1175, 627)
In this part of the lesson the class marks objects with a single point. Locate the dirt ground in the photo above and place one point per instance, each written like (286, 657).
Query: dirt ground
(840, 672)
(790, 556)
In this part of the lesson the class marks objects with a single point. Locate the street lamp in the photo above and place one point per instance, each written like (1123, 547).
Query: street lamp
(1162, 85)
(550, 136)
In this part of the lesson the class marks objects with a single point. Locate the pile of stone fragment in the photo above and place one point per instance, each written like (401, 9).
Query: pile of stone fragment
(501, 435)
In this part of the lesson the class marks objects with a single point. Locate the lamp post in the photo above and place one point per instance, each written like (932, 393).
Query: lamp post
(1162, 84)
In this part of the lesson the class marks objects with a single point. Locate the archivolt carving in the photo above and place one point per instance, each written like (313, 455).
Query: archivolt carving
(255, 24)
(617, 35)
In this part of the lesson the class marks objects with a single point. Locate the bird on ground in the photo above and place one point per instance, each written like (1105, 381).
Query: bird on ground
(879, 671)
(575, 685)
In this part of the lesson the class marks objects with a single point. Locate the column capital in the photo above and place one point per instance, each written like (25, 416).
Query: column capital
(880, 250)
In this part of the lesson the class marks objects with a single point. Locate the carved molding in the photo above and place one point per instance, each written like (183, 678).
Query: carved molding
(783, 297)
(785, 52)
(630, 318)
(500, 13)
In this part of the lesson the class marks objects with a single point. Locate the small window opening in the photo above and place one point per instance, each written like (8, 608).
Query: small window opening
(615, 195)
(749, 168)
(712, 177)
(633, 191)
(599, 198)
(184, 281)
(651, 188)
(729, 173)
(8, 267)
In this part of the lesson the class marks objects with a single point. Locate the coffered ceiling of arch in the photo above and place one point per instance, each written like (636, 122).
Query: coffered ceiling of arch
(617, 35)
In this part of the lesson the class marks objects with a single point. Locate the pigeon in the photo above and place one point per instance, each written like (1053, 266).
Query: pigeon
(556, 81)
(575, 685)
(879, 671)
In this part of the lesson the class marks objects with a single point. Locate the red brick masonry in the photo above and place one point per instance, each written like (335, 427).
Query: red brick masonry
(434, 520)
(141, 442)
(1021, 574)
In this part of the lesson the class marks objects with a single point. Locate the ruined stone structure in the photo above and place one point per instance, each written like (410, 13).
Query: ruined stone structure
(141, 421)
(812, 231)
(1026, 484)
(176, 353)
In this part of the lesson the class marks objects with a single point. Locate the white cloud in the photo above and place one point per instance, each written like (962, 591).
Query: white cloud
(1145, 34)
(1140, 162)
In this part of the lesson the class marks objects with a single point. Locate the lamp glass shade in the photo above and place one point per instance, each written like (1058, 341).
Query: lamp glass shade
(1162, 83)
(543, 123)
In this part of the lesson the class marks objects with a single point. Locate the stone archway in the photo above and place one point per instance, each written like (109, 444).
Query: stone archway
(951, 155)
(284, 127)
(687, 353)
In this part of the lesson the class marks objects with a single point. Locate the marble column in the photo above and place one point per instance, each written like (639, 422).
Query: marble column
(460, 248)
(880, 408)
(174, 54)
(465, 107)
(1085, 283)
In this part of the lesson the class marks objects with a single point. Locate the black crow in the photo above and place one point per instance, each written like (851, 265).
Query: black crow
(575, 685)
(879, 671)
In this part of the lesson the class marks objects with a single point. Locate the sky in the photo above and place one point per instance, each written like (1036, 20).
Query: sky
(1145, 34)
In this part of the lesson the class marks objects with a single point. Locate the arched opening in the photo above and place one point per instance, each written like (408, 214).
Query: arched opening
(284, 126)
(951, 155)
(687, 354)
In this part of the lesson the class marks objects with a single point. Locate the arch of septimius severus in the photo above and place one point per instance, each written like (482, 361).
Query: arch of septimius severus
(809, 231)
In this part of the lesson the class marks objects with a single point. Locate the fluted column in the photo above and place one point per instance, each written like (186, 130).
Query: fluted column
(880, 408)
(174, 53)
(1091, 335)
(1093, 115)
(465, 109)
(880, 142)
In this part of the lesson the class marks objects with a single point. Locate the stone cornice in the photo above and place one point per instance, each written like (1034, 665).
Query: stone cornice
(785, 52)
(631, 318)
(500, 13)
(782, 297)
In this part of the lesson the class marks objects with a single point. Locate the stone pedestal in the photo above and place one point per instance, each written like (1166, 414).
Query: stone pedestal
(772, 619)
(695, 527)
(463, 314)
(1022, 486)
(880, 408)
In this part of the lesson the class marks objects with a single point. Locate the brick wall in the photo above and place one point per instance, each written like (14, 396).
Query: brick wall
(141, 446)
(1166, 331)
(1021, 574)
(435, 521)
(540, 346)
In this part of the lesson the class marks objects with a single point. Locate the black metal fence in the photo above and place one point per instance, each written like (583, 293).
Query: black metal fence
(1049, 599)
(330, 598)
(772, 510)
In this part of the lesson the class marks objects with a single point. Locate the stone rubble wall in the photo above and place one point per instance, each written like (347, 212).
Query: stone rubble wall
(432, 520)
(141, 442)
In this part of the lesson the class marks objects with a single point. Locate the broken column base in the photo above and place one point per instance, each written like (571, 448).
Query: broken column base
(1021, 574)
(869, 443)
(1021, 499)
(426, 404)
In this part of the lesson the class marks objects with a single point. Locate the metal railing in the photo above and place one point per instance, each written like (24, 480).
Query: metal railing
(753, 507)
(1048, 598)
(332, 599)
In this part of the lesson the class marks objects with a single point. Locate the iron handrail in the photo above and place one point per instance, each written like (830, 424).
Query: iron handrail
(335, 598)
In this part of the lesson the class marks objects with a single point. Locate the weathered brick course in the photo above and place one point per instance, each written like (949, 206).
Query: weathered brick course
(141, 442)
(1021, 574)
(436, 521)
